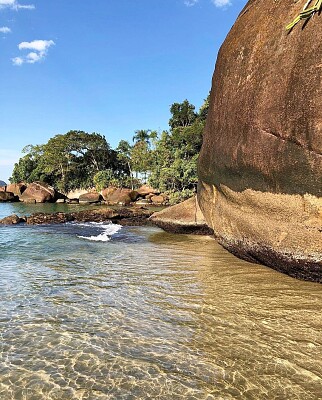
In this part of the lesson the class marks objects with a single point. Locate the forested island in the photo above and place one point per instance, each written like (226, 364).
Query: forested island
(81, 160)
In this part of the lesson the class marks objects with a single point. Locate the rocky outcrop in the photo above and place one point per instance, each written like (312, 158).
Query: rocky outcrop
(260, 166)
(38, 192)
(185, 217)
(123, 216)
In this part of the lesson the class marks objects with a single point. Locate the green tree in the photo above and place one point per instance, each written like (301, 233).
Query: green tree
(67, 161)
(142, 135)
(183, 114)
(141, 158)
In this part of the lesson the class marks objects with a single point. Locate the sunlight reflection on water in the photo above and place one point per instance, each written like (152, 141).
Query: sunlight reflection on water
(150, 315)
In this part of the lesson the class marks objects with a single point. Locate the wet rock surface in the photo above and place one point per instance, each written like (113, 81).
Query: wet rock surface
(123, 216)
(260, 166)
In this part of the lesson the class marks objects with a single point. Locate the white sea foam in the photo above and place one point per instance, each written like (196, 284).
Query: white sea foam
(108, 230)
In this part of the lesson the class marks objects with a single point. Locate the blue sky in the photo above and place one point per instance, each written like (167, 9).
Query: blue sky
(106, 66)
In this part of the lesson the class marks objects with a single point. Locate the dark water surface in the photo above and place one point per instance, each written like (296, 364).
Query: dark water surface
(98, 311)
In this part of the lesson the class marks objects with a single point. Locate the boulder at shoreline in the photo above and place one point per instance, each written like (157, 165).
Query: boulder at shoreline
(121, 196)
(38, 192)
(89, 198)
(260, 166)
(185, 217)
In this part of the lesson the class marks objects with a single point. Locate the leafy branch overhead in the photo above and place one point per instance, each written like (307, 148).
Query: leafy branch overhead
(306, 13)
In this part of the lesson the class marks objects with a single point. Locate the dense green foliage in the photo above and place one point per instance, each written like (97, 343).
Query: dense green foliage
(79, 159)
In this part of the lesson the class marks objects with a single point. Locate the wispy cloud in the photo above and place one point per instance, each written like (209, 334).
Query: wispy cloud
(5, 29)
(190, 3)
(15, 5)
(40, 50)
(221, 3)
(217, 3)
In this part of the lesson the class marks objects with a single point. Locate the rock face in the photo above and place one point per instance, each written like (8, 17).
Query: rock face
(260, 166)
(185, 217)
(38, 192)
(16, 188)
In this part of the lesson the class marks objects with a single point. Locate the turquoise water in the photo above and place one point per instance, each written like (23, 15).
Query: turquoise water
(98, 311)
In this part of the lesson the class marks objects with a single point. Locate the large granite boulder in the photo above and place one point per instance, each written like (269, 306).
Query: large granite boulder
(146, 190)
(17, 188)
(260, 166)
(120, 196)
(185, 217)
(89, 198)
(38, 192)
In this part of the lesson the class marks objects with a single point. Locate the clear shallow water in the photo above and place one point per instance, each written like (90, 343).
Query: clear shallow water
(145, 314)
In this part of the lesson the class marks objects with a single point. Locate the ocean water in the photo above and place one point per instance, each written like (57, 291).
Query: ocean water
(100, 311)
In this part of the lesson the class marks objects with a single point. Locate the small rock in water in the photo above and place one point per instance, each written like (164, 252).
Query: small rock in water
(12, 220)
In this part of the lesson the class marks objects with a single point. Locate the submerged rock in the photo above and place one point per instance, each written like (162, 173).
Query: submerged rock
(260, 166)
(185, 217)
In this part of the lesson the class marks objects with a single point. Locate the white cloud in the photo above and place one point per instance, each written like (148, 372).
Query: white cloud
(221, 3)
(190, 3)
(17, 61)
(37, 45)
(40, 48)
(5, 29)
(14, 5)
(217, 3)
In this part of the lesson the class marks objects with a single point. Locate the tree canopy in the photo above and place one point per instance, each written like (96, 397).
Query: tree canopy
(77, 159)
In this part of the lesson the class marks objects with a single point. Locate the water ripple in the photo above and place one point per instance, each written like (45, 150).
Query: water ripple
(150, 315)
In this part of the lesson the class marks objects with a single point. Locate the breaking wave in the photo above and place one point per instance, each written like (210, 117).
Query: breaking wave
(104, 231)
